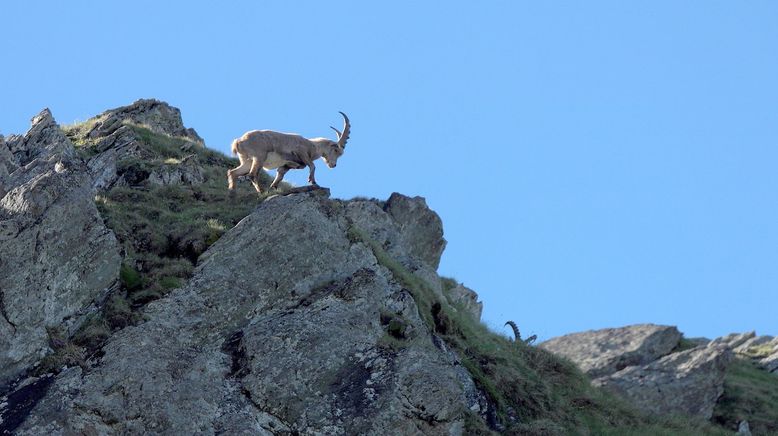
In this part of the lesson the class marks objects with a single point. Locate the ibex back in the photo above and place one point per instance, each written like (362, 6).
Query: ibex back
(284, 151)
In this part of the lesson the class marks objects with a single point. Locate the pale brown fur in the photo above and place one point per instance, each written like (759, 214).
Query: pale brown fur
(284, 151)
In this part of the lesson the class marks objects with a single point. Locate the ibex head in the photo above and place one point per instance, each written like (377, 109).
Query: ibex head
(334, 149)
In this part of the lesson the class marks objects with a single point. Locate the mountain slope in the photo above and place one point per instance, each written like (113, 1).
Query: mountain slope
(280, 314)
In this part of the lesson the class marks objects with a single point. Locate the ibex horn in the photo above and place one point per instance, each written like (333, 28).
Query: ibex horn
(343, 137)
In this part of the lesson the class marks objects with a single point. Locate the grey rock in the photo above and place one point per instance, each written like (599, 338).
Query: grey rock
(279, 331)
(688, 382)
(606, 351)
(8, 164)
(56, 256)
(770, 363)
(116, 142)
(421, 230)
(761, 349)
(44, 139)
(186, 172)
(156, 115)
(120, 144)
(751, 343)
(407, 229)
(460, 295)
(733, 340)
(744, 429)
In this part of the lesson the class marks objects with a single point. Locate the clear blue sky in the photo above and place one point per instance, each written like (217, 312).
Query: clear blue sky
(595, 163)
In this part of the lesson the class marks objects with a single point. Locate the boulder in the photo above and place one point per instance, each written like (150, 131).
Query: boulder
(688, 382)
(283, 329)
(602, 352)
(56, 255)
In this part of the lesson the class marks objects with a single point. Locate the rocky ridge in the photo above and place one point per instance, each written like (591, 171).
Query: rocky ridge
(311, 315)
(325, 341)
(56, 256)
(662, 373)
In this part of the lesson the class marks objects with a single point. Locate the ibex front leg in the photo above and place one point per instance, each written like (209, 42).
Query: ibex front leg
(311, 178)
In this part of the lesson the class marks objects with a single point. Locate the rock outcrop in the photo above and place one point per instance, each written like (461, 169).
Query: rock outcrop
(56, 256)
(467, 298)
(117, 154)
(761, 349)
(156, 115)
(282, 329)
(687, 382)
(640, 363)
(407, 229)
(602, 352)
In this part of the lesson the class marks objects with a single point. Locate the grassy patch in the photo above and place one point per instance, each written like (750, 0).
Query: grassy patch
(750, 393)
(164, 229)
(534, 391)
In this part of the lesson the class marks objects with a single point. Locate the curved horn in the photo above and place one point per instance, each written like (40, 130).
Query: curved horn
(516, 334)
(343, 137)
(337, 132)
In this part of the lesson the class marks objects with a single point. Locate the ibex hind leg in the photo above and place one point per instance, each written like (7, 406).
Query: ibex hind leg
(240, 170)
(256, 164)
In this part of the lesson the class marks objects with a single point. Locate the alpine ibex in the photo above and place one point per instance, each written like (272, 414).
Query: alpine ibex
(517, 334)
(284, 151)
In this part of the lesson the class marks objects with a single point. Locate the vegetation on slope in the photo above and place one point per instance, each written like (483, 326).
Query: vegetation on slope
(162, 229)
(751, 394)
(533, 391)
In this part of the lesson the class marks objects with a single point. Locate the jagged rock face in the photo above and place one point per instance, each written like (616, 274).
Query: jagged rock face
(407, 229)
(688, 382)
(603, 352)
(120, 143)
(56, 256)
(157, 115)
(282, 329)
(761, 349)
(404, 226)
(467, 298)
(116, 141)
(734, 340)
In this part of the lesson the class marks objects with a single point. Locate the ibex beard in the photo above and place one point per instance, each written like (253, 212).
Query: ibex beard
(283, 152)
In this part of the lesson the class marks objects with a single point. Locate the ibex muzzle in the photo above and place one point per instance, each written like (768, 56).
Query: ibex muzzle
(284, 151)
